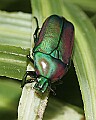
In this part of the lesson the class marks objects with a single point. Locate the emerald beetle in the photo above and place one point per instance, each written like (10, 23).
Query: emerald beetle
(52, 52)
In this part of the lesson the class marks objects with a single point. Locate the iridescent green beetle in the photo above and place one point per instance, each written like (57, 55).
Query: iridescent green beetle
(52, 52)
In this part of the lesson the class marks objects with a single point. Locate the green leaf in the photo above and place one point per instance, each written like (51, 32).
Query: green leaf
(58, 110)
(15, 29)
(12, 61)
(9, 95)
(93, 19)
(84, 56)
(88, 5)
(15, 35)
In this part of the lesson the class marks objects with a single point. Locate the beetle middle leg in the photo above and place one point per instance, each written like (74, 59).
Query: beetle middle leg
(31, 74)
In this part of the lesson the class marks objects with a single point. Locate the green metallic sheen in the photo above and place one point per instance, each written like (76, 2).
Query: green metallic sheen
(41, 85)
(52, 52)
(51, 35)
(45, 64)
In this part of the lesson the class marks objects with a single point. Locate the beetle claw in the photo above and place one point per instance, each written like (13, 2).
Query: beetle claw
(54, 93)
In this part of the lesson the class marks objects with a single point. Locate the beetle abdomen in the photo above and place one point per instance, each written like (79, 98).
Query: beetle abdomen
(49, 35)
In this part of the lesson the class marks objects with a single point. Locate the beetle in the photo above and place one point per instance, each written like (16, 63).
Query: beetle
(52, 52)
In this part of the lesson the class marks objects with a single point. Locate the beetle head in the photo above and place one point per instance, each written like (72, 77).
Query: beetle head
(41, 84)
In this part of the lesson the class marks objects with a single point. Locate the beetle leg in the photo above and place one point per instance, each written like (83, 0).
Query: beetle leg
(30, 59)
(36, 31)
(49, 87)
(54, 93)
(32, 75)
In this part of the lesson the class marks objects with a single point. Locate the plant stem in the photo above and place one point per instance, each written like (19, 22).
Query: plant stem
(31, 105)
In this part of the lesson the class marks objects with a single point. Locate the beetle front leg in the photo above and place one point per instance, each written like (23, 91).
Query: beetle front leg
(32, 75)
(30, 59)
